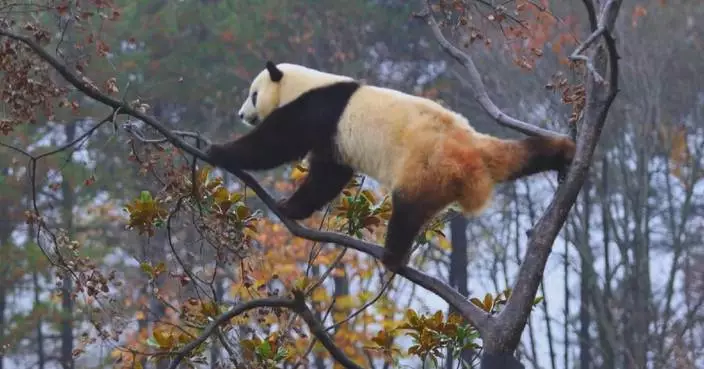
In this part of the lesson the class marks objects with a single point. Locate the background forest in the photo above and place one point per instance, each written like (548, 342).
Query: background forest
(108, 262)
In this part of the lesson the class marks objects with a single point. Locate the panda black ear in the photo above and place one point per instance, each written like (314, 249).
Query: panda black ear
(275, 73)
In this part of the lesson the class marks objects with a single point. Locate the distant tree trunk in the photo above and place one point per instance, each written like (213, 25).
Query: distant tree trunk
(607, 350)
(2, 324)
(2, 310)
(585, 357)
(66, 289)
(342, 288)
(458, 272)
(40, 334)
(215, 347)
(5, 232)
(566, 326)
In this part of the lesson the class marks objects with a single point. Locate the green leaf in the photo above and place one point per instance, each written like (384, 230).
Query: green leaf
(264, 350)
(145, 196)
(152, 342)
(281, 354)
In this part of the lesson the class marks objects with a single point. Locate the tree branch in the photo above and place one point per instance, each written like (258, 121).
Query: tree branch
(477, 86)
(233, 312)
(599, 99)
(577, 54)
(591, 14)
(475, 315)
(317, 328)
(297, 305)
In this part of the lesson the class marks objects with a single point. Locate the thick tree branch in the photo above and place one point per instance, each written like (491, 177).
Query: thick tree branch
(599, 99)
(477, 86)
(475, 315)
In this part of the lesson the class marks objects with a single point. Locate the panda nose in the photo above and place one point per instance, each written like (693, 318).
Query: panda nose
(241, 115)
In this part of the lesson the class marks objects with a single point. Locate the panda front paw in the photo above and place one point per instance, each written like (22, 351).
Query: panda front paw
(214, 152)
(293, 211)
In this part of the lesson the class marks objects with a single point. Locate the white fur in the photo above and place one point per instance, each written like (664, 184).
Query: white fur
(379, 127)
(298, 79)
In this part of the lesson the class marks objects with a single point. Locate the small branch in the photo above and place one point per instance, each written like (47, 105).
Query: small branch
(132, 129)
(476, 84)
(591, 14)
(365, 306)
(233, 312)
(476, 316)
(316, 327)
(297, 304)
(576, 55)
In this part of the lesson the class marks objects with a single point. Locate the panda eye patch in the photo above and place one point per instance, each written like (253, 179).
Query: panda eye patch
(254, 98)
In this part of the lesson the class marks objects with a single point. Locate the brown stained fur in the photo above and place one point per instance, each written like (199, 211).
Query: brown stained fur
(465, 167)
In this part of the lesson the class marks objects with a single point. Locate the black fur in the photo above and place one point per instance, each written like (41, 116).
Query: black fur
(546, 154)
(274, 73)
(306, 124)
(324, 182)
(289, 132)
(407, 218)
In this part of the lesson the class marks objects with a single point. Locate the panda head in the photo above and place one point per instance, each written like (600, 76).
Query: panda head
(277, 85)
(264, 95)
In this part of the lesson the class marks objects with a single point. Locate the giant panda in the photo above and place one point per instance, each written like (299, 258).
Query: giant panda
(428, 156)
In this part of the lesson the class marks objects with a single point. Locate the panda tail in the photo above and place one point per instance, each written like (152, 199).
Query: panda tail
(509, 160)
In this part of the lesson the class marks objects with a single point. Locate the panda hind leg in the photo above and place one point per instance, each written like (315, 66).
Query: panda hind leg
(409, 214)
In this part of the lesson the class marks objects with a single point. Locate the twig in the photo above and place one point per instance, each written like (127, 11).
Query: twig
(477, 86)
(365, 306)
(89, 132)
(576, 55)
(226, 345)
(300, 307)
(132, 129)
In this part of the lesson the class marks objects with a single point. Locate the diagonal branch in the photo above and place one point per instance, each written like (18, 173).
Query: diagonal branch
(318, 330)
(475, 315)
(477, 86)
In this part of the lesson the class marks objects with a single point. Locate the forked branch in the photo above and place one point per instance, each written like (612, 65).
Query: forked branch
(599, 99)
(475, 79)
(297, 305)
(503, 334)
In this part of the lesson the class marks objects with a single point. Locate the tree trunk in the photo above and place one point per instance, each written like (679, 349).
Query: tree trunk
(585, 357)
(458, 273)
